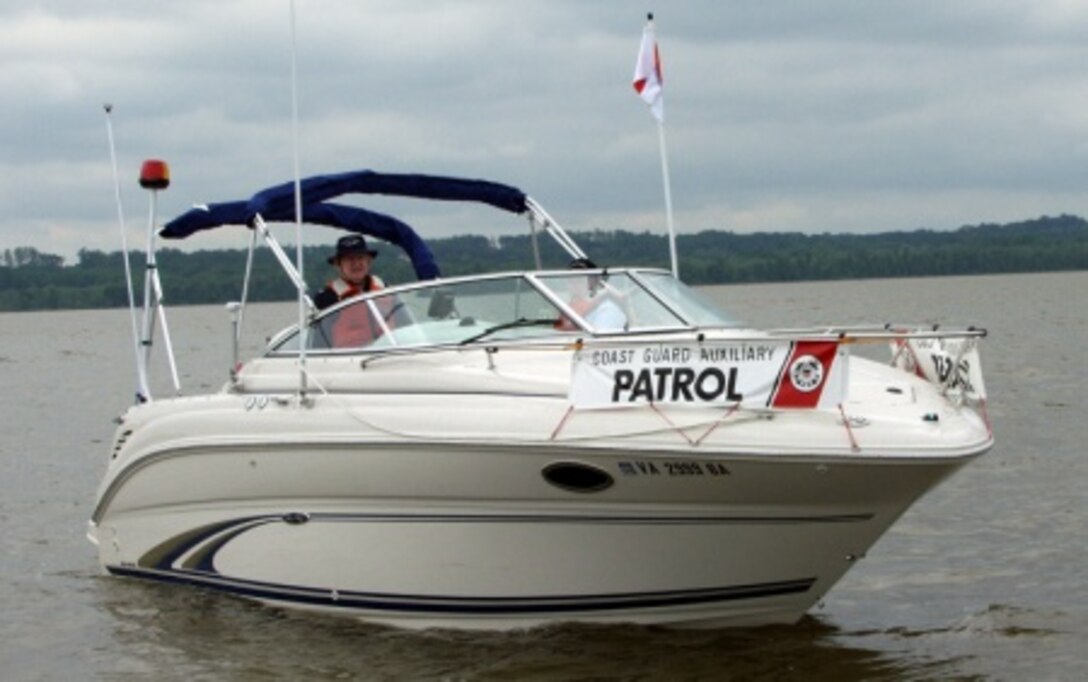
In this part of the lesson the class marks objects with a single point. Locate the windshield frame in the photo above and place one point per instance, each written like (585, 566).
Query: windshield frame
(512, 329)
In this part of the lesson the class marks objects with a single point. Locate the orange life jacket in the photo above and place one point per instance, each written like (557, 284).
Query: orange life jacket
(355, 326)
(344, 289)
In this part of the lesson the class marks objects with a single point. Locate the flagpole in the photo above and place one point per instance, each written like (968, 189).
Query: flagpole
(668, 198)
(648, 84)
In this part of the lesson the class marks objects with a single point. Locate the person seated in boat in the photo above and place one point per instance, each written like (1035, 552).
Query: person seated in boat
(593, 301)
(352, 260)
(355, 325)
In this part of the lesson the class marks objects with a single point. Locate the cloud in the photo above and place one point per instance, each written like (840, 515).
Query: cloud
(833, 116)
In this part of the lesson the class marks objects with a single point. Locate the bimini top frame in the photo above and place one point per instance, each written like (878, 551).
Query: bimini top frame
(276, 204)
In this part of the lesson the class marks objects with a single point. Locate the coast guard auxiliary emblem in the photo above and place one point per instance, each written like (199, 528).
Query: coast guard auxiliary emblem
(806, 373)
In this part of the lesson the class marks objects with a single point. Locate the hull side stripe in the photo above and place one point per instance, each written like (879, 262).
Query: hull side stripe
(471, 605)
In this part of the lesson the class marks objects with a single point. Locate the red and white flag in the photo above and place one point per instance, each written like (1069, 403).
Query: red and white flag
(648, 81)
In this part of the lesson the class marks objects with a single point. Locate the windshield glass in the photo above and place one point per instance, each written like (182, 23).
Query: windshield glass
(504, 307)
(445, 313)
(693, 305)
(610, 302)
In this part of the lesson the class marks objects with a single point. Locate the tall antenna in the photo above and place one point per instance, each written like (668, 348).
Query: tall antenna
(302, 329)
(142, 390)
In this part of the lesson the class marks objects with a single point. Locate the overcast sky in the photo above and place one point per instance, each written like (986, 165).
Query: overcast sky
(821, 116)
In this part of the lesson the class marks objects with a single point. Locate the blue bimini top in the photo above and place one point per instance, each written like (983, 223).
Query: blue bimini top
(277, 204)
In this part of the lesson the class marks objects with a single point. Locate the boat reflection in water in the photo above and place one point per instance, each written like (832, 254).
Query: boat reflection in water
(511, 449)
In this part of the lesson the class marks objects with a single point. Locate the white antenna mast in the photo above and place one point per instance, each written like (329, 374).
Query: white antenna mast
(302, 328)
(142, 390)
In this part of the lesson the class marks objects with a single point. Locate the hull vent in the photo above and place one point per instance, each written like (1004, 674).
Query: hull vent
(577, 477)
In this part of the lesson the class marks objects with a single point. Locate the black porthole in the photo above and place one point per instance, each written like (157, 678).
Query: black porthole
(577, 477)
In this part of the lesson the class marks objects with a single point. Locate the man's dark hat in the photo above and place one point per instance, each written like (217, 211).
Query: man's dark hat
(352, 243)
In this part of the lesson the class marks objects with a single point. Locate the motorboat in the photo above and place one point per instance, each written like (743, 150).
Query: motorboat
(509, 449)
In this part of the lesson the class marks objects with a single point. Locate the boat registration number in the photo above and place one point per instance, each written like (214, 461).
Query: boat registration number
(680, 468)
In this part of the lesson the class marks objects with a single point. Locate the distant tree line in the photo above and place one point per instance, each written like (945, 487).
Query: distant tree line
(31, 280)
(27, 256)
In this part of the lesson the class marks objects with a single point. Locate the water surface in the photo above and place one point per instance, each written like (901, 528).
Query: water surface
(985, 578)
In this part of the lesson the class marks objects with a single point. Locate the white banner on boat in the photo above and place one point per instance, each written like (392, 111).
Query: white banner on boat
(759, 374)
(952, 363)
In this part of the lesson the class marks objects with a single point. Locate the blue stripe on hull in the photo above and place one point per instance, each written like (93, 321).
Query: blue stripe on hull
(421, 604)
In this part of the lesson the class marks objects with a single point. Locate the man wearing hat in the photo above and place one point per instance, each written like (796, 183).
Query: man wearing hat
(353, 259)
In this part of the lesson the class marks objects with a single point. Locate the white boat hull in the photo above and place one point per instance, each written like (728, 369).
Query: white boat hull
(475, 536)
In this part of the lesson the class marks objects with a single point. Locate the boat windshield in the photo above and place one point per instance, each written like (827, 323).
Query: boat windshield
(606, 302)
(434, 313)
(691, 304)
(506, 307)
